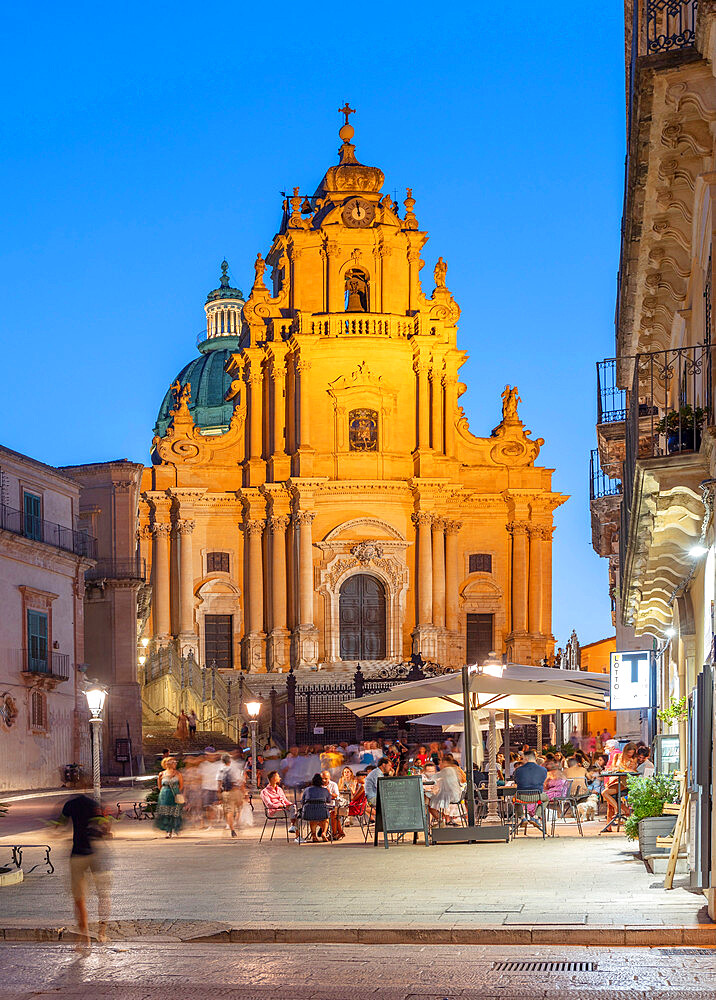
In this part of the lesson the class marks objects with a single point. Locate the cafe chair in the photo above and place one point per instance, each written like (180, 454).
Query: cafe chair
(522, 816)
(304, 829)
(280, 815)
(558, 806)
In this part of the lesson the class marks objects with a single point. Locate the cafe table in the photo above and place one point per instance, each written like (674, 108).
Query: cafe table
(618, 816)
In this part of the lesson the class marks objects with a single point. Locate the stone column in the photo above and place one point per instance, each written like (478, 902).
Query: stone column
(184, 529)
(306, 634)
(253, 641)
(279, 639)
(452, 576)
(424, 568)
(255, 381)
(535, 585)
(438, 554)
(437, 389)
(160, 581)
(423, 397)
(450, 386)
(520, 567)
(280, 465)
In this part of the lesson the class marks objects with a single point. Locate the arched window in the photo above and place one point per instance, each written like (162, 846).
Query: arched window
(357, 288)
(38, 710)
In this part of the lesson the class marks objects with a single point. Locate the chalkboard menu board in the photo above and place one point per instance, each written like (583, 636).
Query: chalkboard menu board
(400, 808)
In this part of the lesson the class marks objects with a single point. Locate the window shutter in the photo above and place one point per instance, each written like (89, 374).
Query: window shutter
(37, 641)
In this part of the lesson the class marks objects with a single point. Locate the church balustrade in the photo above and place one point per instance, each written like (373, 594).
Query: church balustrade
(361, 325)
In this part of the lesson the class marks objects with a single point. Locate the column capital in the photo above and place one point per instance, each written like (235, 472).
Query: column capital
(421, 517)
(542, 531)
(439, 524)
(302, 517)
(518, 527)
(421, 365)
(302, 365)
(185, 526)
(161, 530)
(254, 375)
(452, 527)
(279, 522)
(144, 531)
(332, 249)
(254, 526)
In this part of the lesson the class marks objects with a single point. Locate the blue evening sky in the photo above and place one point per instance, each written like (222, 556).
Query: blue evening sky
(143, 142)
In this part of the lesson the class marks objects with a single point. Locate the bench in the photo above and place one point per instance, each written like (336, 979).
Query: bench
(17, 850)
(133, 810)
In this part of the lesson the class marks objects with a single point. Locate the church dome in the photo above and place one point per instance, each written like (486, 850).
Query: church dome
(209, 385)
(205, 374)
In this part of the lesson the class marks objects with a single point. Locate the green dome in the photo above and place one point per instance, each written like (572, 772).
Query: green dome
(209, 385)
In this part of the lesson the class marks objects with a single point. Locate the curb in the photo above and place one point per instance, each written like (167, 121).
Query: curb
(606, 935)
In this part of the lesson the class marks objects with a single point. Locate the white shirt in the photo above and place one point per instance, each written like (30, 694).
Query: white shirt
(209, 770)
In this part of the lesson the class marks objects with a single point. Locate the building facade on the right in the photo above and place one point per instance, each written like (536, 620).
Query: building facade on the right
(654, 471)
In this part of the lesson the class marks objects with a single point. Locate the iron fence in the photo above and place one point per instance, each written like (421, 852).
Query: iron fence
(46, 662)
(611, 400)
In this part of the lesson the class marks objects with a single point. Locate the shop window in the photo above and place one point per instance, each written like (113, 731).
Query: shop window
(218, 641)
(38, 710)
(217, 562)
(480, 562)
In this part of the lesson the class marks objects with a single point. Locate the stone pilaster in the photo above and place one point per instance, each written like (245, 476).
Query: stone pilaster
(424, 633)
(518, 642)
(304, 647)
(421, 368)
(254, 641)
(255, 467)
(456, 642)
(279, 642)
(161, 595)
(279, 463)
(187, 631)
(305, 452)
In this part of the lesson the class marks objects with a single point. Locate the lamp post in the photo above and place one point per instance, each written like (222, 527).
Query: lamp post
(253, 708)
(95, 701)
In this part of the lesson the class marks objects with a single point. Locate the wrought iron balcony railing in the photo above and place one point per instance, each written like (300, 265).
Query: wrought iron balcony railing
(600, 484)
(611, 400)
(670, 24)
(40, 660)
(118, 569)
(669, 404)
(35, 528)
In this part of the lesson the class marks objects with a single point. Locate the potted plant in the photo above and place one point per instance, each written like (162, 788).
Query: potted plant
(676, 710)
(646, 800)
(682, 427)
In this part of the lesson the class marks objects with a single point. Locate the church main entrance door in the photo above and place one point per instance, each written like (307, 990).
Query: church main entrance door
(361, 609)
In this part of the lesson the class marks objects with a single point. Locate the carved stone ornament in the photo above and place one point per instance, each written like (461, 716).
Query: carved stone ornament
(513, 445)
(185, 526)
(365, 551)
(8, 710)
(184, 444)
(161, 530)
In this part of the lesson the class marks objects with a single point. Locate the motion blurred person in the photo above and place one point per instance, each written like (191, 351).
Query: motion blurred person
(89, 856)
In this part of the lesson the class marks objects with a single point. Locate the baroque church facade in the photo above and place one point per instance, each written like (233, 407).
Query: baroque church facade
(316, 496)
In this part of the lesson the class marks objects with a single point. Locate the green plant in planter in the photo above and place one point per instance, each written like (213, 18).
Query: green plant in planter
(676, 710)
(646, 798)
(684, 419)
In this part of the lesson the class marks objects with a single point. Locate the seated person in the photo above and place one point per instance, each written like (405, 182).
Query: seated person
(421, 756)
(576, 772)
(358, 803)
(274, 798)
(555, 775)
(645, 765)
(530, 776)
(316, 802)
(383, 769)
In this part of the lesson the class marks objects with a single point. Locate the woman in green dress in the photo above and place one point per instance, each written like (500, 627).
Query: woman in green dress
(170, 804)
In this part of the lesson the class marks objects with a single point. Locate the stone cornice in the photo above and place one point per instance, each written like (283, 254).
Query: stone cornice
(41, 554)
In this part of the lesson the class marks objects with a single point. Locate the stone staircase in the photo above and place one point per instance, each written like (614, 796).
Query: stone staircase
(158, 739)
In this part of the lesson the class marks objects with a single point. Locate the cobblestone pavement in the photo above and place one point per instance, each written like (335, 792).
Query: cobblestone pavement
(319, 972)
(208, 877)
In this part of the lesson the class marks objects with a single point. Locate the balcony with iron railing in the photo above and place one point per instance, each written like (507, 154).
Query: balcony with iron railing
(600, 483)
(38, 530)
(39, 661)
(118, 569)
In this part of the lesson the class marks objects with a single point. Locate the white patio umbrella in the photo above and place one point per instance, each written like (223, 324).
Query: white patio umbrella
(493, 687)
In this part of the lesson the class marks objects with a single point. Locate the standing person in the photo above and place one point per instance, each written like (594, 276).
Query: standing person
(229, 788)
(182, 729)
(90, 829)
(209, 769)
(168, 814)
(191, 719)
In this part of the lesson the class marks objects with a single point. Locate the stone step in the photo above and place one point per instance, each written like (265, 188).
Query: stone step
(157, 740)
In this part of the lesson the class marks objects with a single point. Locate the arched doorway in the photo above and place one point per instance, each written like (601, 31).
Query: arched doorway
(361, 614)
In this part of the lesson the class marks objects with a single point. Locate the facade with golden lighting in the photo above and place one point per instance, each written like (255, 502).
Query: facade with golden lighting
(316, 496)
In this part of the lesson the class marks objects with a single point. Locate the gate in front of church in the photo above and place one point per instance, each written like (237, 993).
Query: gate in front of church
(362, 619)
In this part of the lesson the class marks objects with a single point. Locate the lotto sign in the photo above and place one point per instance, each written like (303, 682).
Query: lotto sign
(630, 680)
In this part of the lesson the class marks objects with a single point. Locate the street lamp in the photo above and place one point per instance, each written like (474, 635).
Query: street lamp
(95, 700)
(253, 708)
